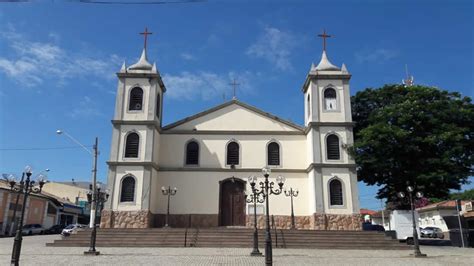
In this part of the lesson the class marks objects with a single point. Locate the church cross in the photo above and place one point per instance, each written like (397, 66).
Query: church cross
(324, 36)
(146, 33)
(234, 85)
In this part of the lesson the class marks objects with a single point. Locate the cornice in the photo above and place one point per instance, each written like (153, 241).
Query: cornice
(317, 75)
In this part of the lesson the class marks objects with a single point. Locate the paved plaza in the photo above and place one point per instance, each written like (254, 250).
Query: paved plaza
(35, 252)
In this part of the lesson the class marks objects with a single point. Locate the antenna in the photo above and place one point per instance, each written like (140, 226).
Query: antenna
(410, 80)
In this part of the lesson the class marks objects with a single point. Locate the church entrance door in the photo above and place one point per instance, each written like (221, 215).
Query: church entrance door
(232, 202)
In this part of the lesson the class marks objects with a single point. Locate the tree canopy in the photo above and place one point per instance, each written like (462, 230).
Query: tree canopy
(417, 135)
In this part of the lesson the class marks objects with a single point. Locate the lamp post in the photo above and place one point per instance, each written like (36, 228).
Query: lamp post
(266, 189)
(100, 197)
(292, 194)
(12, 176)
(94, 153)
(168, 192)
(254, 198)
(24, 187)
(402, 195)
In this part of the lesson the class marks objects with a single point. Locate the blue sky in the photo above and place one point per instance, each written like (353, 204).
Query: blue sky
(58, 63)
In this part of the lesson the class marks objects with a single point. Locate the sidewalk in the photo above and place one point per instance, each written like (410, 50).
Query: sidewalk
(35, 252)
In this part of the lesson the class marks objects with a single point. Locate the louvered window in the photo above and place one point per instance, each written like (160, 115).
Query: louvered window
(158, 105)
(128, 189)
(273, 154)
(131, 145)
(233, 153)
(136, 99)
(330, 99)
(192, 153)
(332, 145)
(335, 191)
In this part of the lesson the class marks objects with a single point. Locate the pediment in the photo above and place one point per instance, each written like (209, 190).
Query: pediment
(233, 116)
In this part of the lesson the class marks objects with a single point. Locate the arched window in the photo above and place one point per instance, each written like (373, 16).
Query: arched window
(332, 147)
(158, 105)
(233, 153)
(335, 192)
(273, 154)
(192, 153)
(131, 145)
(330, 102)
(308, 106)
(136, 99)
(127, 194)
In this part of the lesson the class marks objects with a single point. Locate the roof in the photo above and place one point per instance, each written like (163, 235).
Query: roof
(446, 204)
(56, 200)
(142, 63)
(80, 184)
(367, 211)
(379, 214)
(237, 102)
(325, 65)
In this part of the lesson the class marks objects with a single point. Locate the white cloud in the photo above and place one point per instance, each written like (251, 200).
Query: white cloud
(33, 63)
(188, 56)
(275, 46)
(207, 85)
(87, 108)
(379, 55)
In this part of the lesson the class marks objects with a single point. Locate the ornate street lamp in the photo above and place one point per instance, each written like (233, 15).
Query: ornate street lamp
(401, 195)
(98, 199)
(266, 189)
(168, 192)
(292, 194)
(254, 198)
(24, 187)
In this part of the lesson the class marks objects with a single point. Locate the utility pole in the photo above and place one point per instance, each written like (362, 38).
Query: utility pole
(94, 184)
(458, 208)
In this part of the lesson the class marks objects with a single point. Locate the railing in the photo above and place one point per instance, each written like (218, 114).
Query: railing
(275, 231)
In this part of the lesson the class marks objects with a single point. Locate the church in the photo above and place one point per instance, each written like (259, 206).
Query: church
(209, 157)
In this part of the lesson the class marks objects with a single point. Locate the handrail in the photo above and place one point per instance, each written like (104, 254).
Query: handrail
(185, 236)
(275, 231)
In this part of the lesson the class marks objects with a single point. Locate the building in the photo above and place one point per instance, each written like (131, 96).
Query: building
(209, 156)
(432, 214)
(44, 208)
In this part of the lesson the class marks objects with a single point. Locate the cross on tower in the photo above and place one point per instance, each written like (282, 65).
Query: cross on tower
(146, 33)
(324, 36)
(234, 85)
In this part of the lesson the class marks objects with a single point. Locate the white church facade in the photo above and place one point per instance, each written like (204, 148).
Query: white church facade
(209, 156)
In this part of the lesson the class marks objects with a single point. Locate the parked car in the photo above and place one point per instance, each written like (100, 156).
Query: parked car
(55, 229)
(432, 232)
(32, 229)
(72, 229)
(367, 226)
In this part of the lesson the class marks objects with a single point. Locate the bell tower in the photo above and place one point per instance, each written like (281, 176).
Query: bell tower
(135, 137)
(328, 120)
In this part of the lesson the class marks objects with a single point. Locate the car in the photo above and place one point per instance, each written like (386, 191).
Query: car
(72, 229)
(55, 229)
(432, 232)
(32, 229)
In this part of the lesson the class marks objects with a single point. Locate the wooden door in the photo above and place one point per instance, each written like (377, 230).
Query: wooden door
(232, 203)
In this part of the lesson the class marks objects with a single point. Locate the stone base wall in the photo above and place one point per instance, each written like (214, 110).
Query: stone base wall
(317, 221)
(126, 219)
(187, 220)
(145, 219)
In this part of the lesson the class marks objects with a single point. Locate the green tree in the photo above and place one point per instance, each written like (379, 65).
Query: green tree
(416, 135)
(465, 195)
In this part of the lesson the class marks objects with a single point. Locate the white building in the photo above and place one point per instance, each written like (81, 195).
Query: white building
(210, 155)
(432, 215)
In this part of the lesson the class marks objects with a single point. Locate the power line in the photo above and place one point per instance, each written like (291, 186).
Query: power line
(41, 149)
(112, 2)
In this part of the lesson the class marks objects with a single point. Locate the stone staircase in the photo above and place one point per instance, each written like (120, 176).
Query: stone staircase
(230, 237)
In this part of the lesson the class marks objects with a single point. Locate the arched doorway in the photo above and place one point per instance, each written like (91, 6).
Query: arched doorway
(232, 202)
